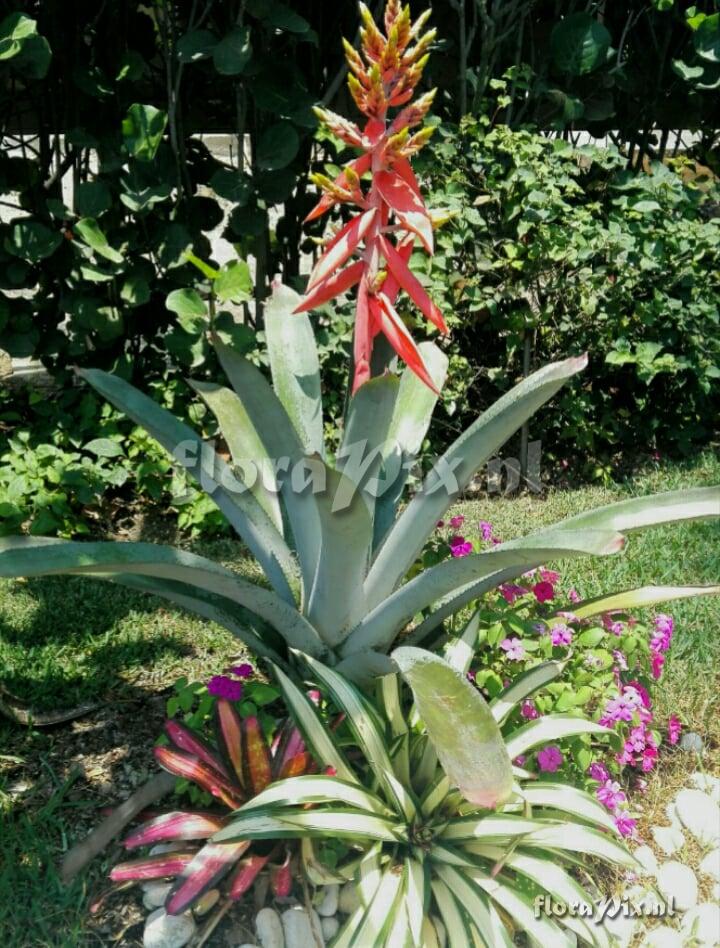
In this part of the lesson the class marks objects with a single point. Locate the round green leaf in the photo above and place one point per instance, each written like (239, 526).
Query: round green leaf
(90, 232)
(278, 146)
(196, 45)
(579, 44)
(707, 38)
(32, 241)
(234, 282)
(92, 198)
(232, 185)
(142, 130)
(233, 52)
(186, 302)
(14, 30)
(34, 58)
(104, 448)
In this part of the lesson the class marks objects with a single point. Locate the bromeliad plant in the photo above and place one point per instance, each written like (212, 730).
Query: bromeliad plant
(418, 850)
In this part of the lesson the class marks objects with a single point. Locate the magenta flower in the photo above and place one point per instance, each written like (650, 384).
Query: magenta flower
(598, 771)
(471, 675)
(656, 665)
(674, 729)
(456, 522)
(637, 739)
(520, 760)
(549, 575)
(574, 595)
(242, 671)
(510, 592)
(561, 634)
(649, 758)
(617, 628)
(637, 693)
(543, 591)
(528, 710)
(461, 549)
(440, 524)
(486, 530)
(664, 624)
(610, 794)
(626, 826)
(550, 759)
(223, 687)
(513, 648)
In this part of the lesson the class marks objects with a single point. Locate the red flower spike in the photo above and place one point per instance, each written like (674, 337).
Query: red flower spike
(257, 756)
(383, 75)
(281, 879)
(166, 865)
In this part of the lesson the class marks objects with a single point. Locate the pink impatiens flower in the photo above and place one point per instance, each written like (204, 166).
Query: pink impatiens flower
(459, 546)
(656, 665)
(561, 634)
(511, 591)
(598, 771)
(549, 575)
(550, 759)
(513, 648)
(626, 826)
(543, 591)
(242, 671)
(457, 522)
(528, 710)
(619, 709)
(611, 795)
(674, 729)
(486, 530)
(617, 628)
(573, 595)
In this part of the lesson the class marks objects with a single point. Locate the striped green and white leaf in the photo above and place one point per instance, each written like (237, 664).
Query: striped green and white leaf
(317, 789)
(552, 727)
(316, 735)
(578, 839)
(639, 599)
(460, 725)
(489, 827)
(568, 800)
(522, 687)
(367, 729)
(381, 910)
(280, 823)
(416, 896)
(543, 930)
(475, 903)
(457, 924)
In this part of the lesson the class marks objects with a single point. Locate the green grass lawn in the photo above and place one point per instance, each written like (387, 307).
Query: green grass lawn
(65, 641)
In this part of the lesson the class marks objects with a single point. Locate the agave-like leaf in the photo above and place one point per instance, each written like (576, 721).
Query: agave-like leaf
(413, 410)
(638, 599)
(551, 727)
(460, 651)
(581, 839)
(417, 896)
(295, 367)
(522, 687)
(455, 471)
(475, 903)
(460, 725)
(323, 747)
(192, 743)
(174, 825)
(241, 508)
(489, 827)
(258, 764)
(456, 922)
(207, 868)
(165, 865)
(25, 556)
(245, 445)
(379, 628)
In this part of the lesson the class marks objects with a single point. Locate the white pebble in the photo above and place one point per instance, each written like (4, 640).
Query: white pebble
(349, 898)
(300, 929)
(167, 931)
(671, 814)
(700, 815)
(646, 857)
(701, 925)
(155, 893)
(269, 929)
(710, 866)
(691, 742)
(678, 882)
(668, 838)
(330, 898)
(330, 927)
(663, 937)
(705, 782)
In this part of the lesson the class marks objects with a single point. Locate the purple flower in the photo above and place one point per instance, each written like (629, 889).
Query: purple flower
(656, 665)
(674, 729)
(617, 628)
(543, 591)
(550, 759)
(223, 687)
(549, 575)
(598, 771)
(649, 758)
(440, 524)
(611, 795)
(574, 595)
(664, 624)
(456, 522)
(513, 648)
(528, 710)
(626, 826)
(619, 709)
(461, 549)
(637, 693)
(486, 530)
(620, 659)
(520, 760)
(637, 739)
(561, 634)
(471, 676)
(242, 671)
